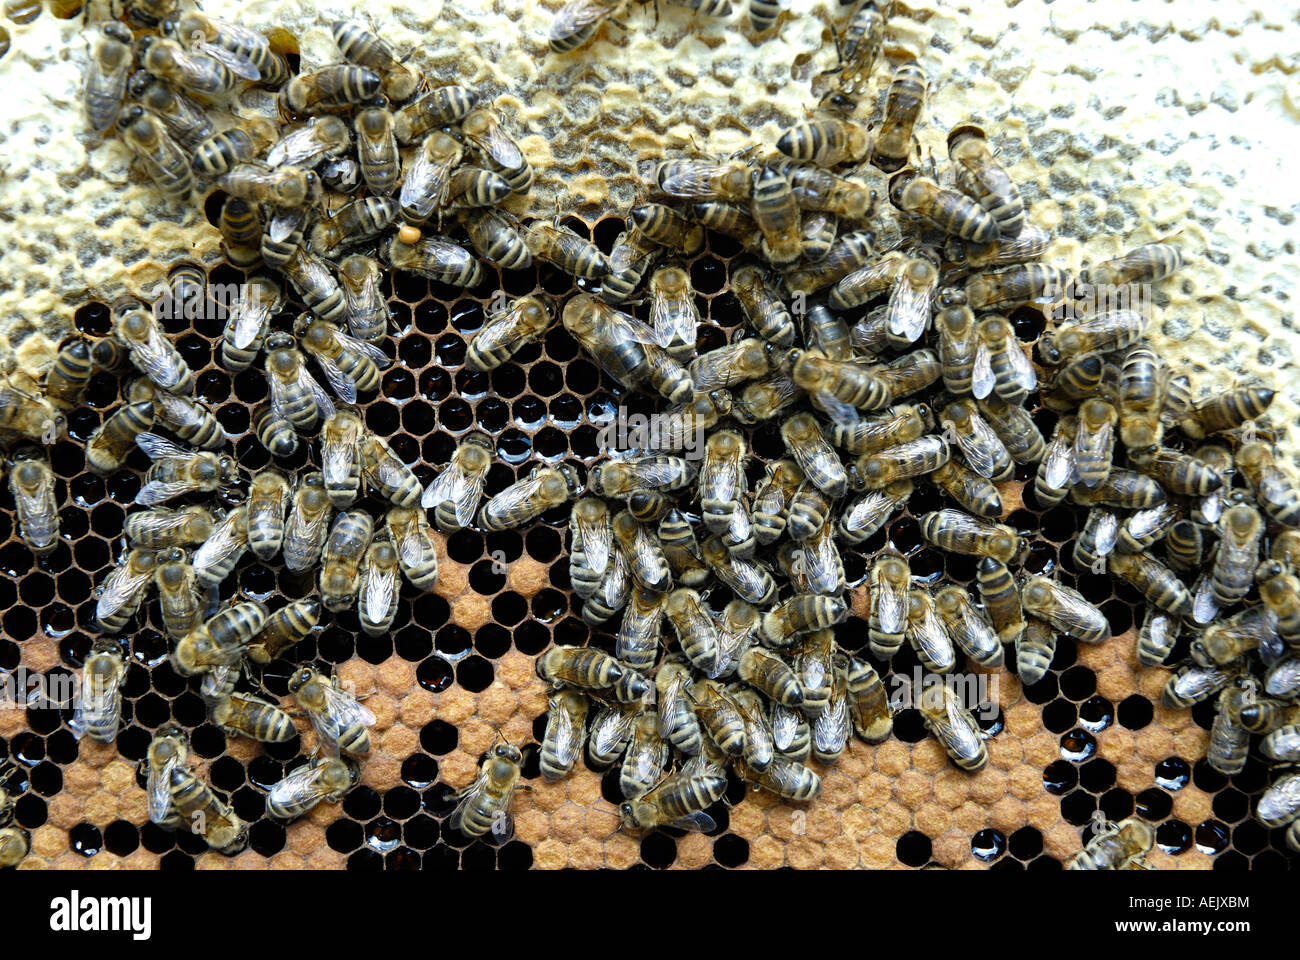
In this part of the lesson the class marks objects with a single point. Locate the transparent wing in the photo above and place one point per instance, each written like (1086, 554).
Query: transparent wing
(957, 734)
(909, 311)
(668, 703)
(469, 797)
(982, 379)
(368, 350)
(831, 729)
(699, 822)
(596, 540)
(1058, 467)
(158, 786)
(1093, 441)
(414, 548)
(1073, 614)
(498, 333)
(239, 66)
(156, 358)
(160, 491)
(674, 320)
(301, 788)
(159, 448)
(838, 410)
(1024, 370)
(568, 737)
(932, 641)
(34, 501)
(785, 727)
(380, 593)
(337, 460)
(628, 327)
(339, 381)
(578, 14)
(515, 502)
(980, 447)
(345, 708)
(891, 607)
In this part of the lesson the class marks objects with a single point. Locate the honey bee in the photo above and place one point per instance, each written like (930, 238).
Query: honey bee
(1281, 594)
(577, 21)
(1229, 740)
(737, 624)
(542, 489)
(802, 613)
(1156, 639)
(506, 332)
(1209, 508)
(1226, 641)
(163, 527)
(268, 498)
(674, 317)
(283, 629)
(666, 227)
(1015, 428)
(1145, 527)
(1192, 683)
(1094, 442)
(832, 726)
(106, 75)
(612, 593)
(959, 532)
(816, 458)
(194, 802)
(850, 252)
(1013, 376)
(252, 717)
(565, 733)
(839, 386)
(1177, 472)
(191, 71)
(484, 130)
(247, 324)
(150, 352)
(911, 300)
(974, 493)
(772, 497)
(584, 667)
(1029, 244)
(730, 221)
(677, 720)
(1103, 333)
(333, 87)
(682, 550)
(437, 108)
(339, 718)
(696, 632)
(469, 187)
(385, 472)
(1040, 282)
(221, 152)
(750, 581)
(308, 523)
(1077, 380)
(826, 334)
(951, 212)
(38, 419)
(592, 540)
(1274, 490)
(638, 639)
(317, 781)
(770, 674)
(865, 515)
(702, 179)
(967, 628)
(427, 180)
(890, 578)
(719, 715)
(721, 479)
(1123, 488)
(647, 755)
(1144, 264)
(176, 471)
(295, 394)
(1155, 581)
(566, 251)
(178, 595)
(240, 226)
(679, 800)
(776, 214)
(498, 242)
(926, 633)
(1142, 387)
(759, 749)
(1097, 539)
(454, 496)
(367, 310)
(981, 447)
(953, 726)
(1065, 609)
(381, 167)
(1240, 530)
(66, 380)
(1001, 599)
(342, 556)
(869, 707)
(183, 417)
(632, 256)
(437, 260)
(360, 46)
(829, 142)
(120, 595)
(168, 749)
(1184, 546)
(111, 442)
(903, 105)
(349, 365)
(219, 641)
(980, 176)
(353, 223)
(98, 712)
(649, 566)
(31, 482)
(961, 352)
(817, 234)
(1118, 847)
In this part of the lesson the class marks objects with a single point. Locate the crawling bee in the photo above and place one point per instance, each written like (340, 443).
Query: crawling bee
(903, 105)
(483, 129)
(307, 526)
(381, 167)
(193, 72)
(867, 514)
(106, 75)
(1103, 333)
(333, 87)
(768, 316)
(577, 21)
(967, 628)
(506, 332)
(677, 719)
(953, 726)
(424, 189)
(850, 252)
(295, 394)
(611, 729)
(176, 471)
(674, 318)
(385, 472)
(1275, 491)
(349, 365)
(951, 212)
(164, 527)
(776, 214)
(247, 324)
(162, 158)
(697, 634)
(802, 613)
(437, 108)
(869, 707)
(1240, 530)
(219, 641)
(1094, 442)
(98, 712)
(352, 224)
(678, 801)
(497, 241)
(980, 176)
(340, 720)
(983, 450)
(701, 179)
(361, 46)
(1013, 376)
(1143, 384)
(121, 593)
(667, 228)
(317, 781)
(525, 500)
(150, 352)
(627, 349)
(284, 628)
(246, 53)
(1145, 264)
(185, 418)
(252, 717)
(816, 458)
(841, 387)
(436, 259)
(830, 142)
(647, 755)
(417, 554)
(66, 381)
(565, 733)
(1155, 581)
(31, 482)
(454, 496)
(344, 551)
(1117, 847)
(240, 225)
(178, 595)
(1065, 609)
(194, 803)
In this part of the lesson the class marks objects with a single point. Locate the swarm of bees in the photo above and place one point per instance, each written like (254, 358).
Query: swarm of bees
(879, 370)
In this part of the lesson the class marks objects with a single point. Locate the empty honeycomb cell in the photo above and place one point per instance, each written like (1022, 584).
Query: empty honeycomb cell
(1135, 712)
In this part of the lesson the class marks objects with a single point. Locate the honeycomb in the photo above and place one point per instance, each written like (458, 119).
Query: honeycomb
(458, 662)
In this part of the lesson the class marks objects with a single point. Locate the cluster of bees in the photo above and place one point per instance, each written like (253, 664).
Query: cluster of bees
(880, 369)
